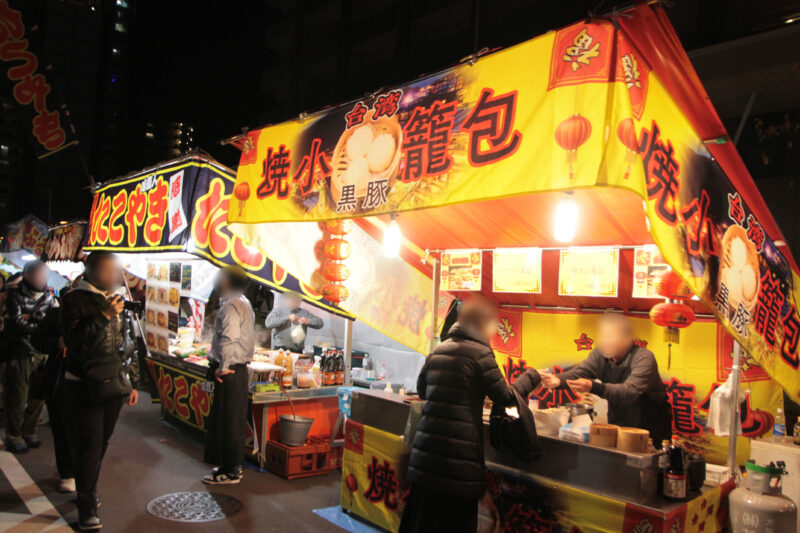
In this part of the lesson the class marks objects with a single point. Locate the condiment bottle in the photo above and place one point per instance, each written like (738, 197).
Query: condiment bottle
(675, 476)
(286, 378)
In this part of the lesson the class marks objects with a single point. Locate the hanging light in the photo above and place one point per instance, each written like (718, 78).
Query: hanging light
(566, 222)
(392, 238)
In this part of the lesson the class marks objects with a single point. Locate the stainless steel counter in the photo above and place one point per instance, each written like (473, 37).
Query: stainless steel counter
(294, 394)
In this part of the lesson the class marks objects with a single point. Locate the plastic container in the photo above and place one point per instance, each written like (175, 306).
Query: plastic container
(294, 430)
(345, 399)
(305, 380)
(292, 462)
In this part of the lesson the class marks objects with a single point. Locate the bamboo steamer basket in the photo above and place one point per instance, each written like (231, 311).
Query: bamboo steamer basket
(604, 435)
(632, 439)
(341, 162)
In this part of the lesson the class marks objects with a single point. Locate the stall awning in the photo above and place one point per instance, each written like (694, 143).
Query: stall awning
(480, 154)
(182, 206)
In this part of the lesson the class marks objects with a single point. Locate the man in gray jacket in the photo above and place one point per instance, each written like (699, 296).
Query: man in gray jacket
(624, 374)
(284, 317)
(232, 348)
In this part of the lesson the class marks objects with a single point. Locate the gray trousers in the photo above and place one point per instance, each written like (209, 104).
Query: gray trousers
(22, 409)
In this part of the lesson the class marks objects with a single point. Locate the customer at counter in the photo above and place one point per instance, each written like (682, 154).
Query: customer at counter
(624, 374)
(284, 317)
(446, 468)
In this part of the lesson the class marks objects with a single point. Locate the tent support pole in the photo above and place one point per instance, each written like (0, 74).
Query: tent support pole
(348, 349)
(736, 371)
(437, 273)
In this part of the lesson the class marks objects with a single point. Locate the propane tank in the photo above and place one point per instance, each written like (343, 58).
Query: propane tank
(760, 506)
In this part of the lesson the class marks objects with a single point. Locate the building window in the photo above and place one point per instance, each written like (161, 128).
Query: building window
(120, 27)
(115, 51)
(3, 150)
(122, 3)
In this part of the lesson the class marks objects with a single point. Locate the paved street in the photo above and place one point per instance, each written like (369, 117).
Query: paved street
(148, 458)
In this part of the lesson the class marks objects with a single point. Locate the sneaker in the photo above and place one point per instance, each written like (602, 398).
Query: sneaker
(67, 485)
(220, 478)
(237, 472)
(16, 447)
(32, 442)
(90, 523)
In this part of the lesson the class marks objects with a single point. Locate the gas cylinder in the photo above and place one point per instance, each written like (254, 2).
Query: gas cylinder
(760, 506)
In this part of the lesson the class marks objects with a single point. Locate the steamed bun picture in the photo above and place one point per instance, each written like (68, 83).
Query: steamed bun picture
(739, 269)
(380, 152)
(359, 142)
(357, 171)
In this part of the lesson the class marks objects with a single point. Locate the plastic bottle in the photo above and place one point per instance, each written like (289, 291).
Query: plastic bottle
(388, 387)
(663, 463)
(340, 368)
(366, 364)
(326, 367)
(796, 432)
(286, 379)
(382, 375)
(316, 372)
(779, 428)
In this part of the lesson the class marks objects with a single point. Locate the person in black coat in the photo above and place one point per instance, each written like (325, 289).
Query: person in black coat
(446, 469)
(26, 307)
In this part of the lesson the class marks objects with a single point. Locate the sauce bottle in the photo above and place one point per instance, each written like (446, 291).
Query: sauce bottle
(675, 476)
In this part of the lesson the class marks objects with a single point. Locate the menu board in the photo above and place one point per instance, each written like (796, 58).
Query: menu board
(648, 263)
(461, 270)
(588, 272)
(164, 281)
(517, 270)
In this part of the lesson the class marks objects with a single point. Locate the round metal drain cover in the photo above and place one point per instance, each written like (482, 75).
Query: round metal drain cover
(194, 506)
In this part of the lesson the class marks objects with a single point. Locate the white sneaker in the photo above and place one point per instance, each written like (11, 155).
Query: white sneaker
(67, 485)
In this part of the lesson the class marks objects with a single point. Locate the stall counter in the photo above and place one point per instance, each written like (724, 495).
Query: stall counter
(576, 487)
(182, 390)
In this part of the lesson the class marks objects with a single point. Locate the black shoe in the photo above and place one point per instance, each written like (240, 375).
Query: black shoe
(32, 442)
(90, 523)
(16, 447)
(219, 478)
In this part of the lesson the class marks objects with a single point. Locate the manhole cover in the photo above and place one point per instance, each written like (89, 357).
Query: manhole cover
(194, 506)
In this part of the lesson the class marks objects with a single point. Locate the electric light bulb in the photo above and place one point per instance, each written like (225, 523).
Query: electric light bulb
(566, 221)
(392, 239)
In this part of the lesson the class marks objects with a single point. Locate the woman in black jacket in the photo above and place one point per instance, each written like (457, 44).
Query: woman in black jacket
(446, 469)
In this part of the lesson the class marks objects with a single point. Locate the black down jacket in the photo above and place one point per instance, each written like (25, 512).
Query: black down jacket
(26, 311)
(91, 338)
(447, 452)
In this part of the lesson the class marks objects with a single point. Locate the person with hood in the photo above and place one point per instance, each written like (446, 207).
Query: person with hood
(284, 317)
(94, 338)
(446, 469)
(26, 307)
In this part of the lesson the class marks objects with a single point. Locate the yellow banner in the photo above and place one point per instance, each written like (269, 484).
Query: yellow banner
(373, 475)
(574, 108)
(698, 364)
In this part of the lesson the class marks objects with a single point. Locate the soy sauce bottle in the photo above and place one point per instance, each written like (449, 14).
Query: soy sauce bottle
(675, 482)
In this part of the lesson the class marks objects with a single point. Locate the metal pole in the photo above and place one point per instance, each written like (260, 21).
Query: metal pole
(437, 273)
(736, 371)
(747, 108)
(348, 349)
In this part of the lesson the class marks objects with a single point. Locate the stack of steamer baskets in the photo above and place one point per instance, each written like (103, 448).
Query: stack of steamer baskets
(622, 438)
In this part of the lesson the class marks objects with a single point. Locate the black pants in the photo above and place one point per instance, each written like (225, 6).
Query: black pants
(60, 424)
(228, 420)
(92, 426)
(438, 512)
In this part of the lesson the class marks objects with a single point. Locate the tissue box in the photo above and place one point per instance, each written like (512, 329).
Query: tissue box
(579, 434)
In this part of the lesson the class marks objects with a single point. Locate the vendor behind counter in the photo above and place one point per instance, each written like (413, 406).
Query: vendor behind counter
(628, 378)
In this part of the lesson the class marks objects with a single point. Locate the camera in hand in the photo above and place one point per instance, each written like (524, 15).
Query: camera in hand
(133, 306)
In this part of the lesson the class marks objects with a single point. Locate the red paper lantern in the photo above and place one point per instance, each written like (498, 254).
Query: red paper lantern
(335, 292)
(319, 250)
(571, 134)
(339, 227)
(334, 271)
(672, 315)
(242, 193)
(352, 482)
(337, 249)
(626, 131)
(671, 286)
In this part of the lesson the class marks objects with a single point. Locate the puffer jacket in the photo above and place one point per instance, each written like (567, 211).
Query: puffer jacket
(91, 337)
(26, 310)
(447, 451)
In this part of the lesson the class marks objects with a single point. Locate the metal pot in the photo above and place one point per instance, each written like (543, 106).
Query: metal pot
(577, 409)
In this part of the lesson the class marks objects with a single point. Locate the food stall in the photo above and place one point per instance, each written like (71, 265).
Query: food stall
(559, 189)
(168, 225)
(27, 240)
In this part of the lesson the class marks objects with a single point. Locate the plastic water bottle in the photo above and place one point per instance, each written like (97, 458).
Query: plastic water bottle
(779, 428)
